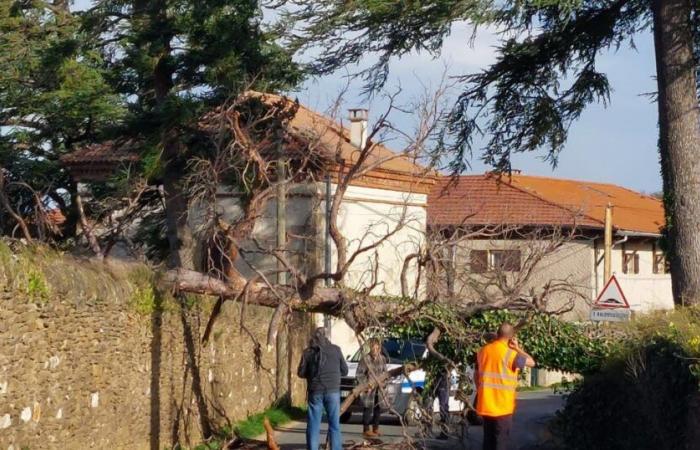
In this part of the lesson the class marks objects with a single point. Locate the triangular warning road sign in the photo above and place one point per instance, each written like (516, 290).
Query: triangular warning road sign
(611, 296)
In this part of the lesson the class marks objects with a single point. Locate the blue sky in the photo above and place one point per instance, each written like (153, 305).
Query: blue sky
(617, 144)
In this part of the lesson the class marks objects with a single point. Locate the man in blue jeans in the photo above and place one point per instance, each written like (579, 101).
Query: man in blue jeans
(322, 364)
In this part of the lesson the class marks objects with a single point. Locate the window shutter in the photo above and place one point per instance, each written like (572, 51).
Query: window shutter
(657, 263)
(479, 261)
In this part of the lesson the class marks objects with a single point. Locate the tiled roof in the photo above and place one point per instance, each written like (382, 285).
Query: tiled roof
(104, 152)
(392, 167)
(529, 200)
(393, 171)
(55, 216)
(97, 162)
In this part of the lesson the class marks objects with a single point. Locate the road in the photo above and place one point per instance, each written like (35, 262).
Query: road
(534, 410)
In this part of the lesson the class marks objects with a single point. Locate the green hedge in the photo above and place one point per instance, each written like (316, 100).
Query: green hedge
(555, 344)
(640, 398)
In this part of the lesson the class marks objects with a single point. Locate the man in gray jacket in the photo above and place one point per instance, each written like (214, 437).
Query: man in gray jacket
(322, 364)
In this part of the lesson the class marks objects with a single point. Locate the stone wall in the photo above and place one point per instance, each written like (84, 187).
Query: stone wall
(129, 370)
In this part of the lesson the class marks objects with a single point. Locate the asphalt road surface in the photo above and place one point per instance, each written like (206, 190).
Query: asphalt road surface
(529, 427)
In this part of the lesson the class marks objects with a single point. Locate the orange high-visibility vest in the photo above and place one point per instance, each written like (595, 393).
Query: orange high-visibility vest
(496, 380)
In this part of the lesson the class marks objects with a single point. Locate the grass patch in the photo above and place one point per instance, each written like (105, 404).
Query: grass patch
(37, 289)
(253, 425)
(40, 274)
(144, 297)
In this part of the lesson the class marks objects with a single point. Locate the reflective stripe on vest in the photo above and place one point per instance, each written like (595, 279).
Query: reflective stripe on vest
(496, 380)
(500, 386)
(499, 376)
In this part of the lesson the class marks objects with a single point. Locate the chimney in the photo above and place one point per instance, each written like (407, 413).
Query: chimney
(358, 127)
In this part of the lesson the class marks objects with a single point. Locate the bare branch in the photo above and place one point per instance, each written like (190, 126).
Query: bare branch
(10, 210)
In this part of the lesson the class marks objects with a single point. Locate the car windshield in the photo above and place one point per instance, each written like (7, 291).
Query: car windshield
(398, 351)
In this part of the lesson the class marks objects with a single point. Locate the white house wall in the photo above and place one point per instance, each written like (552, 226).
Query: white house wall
(575, 262)
(645, 291)
(366, 215)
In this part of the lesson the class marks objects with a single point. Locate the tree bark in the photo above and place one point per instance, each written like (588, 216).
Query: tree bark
(178, 232)
(180, 240)
(70, 227)
(358, 310)
(679, 143)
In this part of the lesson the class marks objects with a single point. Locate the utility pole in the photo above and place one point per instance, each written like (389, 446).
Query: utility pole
(327, 250)
(282, 373)
(281, 219)
(607, 255)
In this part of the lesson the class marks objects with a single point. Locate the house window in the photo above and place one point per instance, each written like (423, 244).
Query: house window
(481, 261)
(630, 262)
(506, 260)
(661, 264)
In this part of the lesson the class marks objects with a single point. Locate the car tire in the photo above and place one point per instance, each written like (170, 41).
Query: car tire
(345, 417)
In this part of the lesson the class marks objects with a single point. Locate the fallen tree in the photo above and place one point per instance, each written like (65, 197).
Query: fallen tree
(242, 143)
(254, 141)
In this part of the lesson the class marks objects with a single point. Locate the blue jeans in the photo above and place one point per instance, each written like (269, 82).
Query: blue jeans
(317, 403)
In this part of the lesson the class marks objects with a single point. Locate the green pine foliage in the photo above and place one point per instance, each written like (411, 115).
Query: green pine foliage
(54, 96)
(544, 76)
(174, 60)
(121, 69)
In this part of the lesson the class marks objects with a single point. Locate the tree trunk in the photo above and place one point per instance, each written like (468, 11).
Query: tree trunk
(178, 232)
(679, 143)
(87, 229)
(70, 226)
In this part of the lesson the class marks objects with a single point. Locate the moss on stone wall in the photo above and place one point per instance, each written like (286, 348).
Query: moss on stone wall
(43, 273)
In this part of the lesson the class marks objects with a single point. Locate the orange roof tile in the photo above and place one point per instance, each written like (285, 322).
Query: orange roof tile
(530, 200)
(55, 216)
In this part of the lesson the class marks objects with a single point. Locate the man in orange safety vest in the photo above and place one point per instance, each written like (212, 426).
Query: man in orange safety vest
(498, 364)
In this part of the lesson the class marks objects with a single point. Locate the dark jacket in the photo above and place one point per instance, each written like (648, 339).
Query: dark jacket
(332, 367)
